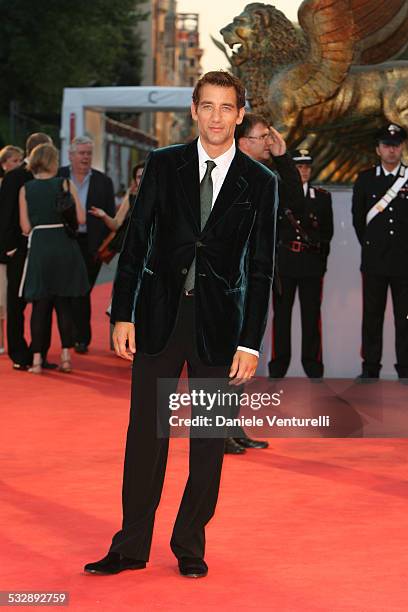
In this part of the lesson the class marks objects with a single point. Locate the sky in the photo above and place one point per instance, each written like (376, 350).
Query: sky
(215, 14)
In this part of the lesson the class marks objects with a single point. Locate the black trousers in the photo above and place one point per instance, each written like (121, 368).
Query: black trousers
(39, 327)
(375, 290)
(18, 349)
(146, 453)
(310, 297)
(81, 306)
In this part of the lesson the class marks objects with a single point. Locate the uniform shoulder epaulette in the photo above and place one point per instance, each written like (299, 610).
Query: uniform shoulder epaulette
(371, 170)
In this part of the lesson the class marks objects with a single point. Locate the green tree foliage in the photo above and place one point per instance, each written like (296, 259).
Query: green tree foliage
(46, 45)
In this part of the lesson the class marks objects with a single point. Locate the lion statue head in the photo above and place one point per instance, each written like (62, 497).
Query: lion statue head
(264, 34)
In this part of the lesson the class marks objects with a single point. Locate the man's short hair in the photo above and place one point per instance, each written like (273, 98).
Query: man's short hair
(220, 78)
(36, 139)
(249, 121)
(79, 140)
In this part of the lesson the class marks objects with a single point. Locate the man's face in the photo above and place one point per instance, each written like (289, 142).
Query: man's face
(12, 162)
(389, 154)
(81, 158)
(257, 143)
(305, 171)
(217, 115)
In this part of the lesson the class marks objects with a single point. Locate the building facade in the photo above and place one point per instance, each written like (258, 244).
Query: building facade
(172, 57)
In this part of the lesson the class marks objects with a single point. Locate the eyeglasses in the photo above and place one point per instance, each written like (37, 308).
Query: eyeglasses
(264, 137)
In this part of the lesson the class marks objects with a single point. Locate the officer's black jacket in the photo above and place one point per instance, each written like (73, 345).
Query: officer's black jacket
(317, 221)
(384, 240)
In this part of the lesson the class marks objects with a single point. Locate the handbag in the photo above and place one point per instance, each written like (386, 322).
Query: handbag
(105, 253)
(113, 243)
(66, 208)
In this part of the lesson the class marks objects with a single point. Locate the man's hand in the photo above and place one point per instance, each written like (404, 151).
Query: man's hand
(243, 367)
(124, 333)
(278, 145)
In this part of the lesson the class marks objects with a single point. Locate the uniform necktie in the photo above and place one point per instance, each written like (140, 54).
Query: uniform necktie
(390, 180)
(206, 196)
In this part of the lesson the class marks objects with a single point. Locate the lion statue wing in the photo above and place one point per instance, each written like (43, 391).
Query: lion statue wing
(341, 33)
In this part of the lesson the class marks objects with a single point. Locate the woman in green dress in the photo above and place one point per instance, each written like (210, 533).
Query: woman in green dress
(55, 271)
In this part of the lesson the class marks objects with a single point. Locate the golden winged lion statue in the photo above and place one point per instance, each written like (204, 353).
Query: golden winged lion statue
(329, 83)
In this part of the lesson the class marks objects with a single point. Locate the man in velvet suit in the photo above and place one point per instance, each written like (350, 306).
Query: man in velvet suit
(94, 189)
(193, 283)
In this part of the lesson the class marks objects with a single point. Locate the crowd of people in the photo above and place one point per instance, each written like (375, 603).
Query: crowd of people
(38, 266)
(42, 261)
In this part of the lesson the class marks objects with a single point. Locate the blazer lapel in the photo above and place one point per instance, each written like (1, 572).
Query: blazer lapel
(189, 177)
(233, 187)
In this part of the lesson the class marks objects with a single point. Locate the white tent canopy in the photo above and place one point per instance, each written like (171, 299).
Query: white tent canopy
(76, 101)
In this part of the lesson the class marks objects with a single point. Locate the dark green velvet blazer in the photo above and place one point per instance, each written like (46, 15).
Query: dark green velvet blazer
(234, 255)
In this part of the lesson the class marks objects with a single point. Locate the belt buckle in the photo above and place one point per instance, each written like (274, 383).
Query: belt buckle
(296, 246)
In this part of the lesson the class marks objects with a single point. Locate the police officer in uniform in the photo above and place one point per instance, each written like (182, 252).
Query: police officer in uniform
(303, 248)
(380, 218)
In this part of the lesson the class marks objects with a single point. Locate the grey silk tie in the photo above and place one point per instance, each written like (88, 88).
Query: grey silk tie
(206, 195)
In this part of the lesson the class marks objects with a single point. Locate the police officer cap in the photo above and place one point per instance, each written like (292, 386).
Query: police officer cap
(392, 134)
(302, 156)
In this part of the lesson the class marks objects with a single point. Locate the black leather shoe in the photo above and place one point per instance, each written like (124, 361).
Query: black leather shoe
(367, 378)
(81, 348)
(276, 375)
(250, 443)
(20, 367)
(191, 567)
(46, 365)
(233, 448)
(316, 380)
(113, 563)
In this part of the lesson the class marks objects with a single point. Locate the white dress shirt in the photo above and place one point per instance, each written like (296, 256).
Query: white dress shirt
(393, 172)
(305, 188)
(223, 163)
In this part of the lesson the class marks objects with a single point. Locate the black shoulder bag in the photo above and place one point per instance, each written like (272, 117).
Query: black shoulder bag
(67, 210)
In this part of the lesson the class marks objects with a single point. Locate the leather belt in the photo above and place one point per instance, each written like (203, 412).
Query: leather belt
(299, 247)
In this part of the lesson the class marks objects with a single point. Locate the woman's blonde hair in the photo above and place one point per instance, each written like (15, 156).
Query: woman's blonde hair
(8, 151)
(43, 158)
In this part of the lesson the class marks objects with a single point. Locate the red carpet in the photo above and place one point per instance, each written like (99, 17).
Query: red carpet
(307, 525)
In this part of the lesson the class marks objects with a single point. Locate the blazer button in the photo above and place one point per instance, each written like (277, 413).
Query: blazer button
(184, 271)
(199, 244)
